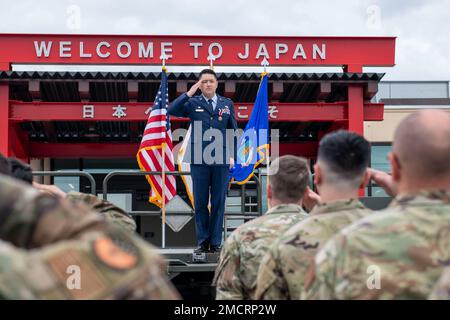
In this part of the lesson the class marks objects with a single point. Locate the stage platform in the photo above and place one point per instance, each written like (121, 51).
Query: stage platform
(185, 260)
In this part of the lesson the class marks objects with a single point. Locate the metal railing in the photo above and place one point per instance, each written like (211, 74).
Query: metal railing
(227, 215)
(136, 173)
(112, 174)
(243, 215)
(69, 174)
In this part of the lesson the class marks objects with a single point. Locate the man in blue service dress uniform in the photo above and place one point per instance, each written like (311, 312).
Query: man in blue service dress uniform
(210, 154)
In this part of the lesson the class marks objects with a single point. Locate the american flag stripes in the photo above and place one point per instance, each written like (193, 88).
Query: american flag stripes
(157, 133)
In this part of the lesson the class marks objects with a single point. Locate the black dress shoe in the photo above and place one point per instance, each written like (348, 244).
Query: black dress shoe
(203, 248)
(215, 248)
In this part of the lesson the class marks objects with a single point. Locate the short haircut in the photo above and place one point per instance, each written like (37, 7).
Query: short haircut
(422, 144)
(20, 170)
(207, 71)
(346, 156)
(4, 165)
(289, 176)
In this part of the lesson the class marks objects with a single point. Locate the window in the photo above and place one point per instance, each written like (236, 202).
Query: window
(67, 184)
(379, 158)
(379, 161)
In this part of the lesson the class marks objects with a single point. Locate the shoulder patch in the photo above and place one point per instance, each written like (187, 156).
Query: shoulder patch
(65, 264)
(119, 254)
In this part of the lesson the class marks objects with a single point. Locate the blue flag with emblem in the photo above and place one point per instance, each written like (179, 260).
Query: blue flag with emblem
(253, 146)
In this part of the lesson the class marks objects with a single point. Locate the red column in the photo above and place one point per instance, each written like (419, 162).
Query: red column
(4, 120)
(355, 102)
(19, 145)
(356, 109)
(356, 113)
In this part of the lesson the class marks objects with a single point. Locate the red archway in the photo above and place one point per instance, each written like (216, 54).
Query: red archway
(350, 53)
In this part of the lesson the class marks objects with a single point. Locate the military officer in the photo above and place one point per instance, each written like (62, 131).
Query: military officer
(210, 154)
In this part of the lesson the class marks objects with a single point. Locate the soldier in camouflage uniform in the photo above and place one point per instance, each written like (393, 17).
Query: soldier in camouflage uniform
(400, 252)
(441, 290)
(340, 171)
(235, 276)
(112, 213)
(72, 252)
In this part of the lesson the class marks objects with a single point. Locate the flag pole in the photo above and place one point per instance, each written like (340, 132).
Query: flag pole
(163, 166)
(265, 63)
(211, 60)
(268, 171)
(163, 207)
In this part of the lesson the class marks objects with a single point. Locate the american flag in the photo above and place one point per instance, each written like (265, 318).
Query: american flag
(157, 132)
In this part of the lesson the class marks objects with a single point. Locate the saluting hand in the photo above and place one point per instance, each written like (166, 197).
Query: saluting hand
(194, 89)
(310, 199)
(384, 180)
(50, 189)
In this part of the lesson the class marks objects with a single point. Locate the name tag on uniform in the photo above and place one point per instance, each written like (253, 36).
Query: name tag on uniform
(199, 109)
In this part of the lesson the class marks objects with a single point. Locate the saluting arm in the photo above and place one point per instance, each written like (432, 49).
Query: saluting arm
(180, 107)
(105, 208)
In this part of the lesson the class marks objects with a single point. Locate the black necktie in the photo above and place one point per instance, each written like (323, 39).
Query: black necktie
(210, 101)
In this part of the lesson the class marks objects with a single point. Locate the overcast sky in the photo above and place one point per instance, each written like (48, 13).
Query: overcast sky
(422, 50)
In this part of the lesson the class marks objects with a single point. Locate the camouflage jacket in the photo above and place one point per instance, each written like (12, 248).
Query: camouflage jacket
(110, 211)
(31, 219)
(70, 239)
(441, 290)
(398, 253)
(112, 265)
(285, 266)
(236, 272)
